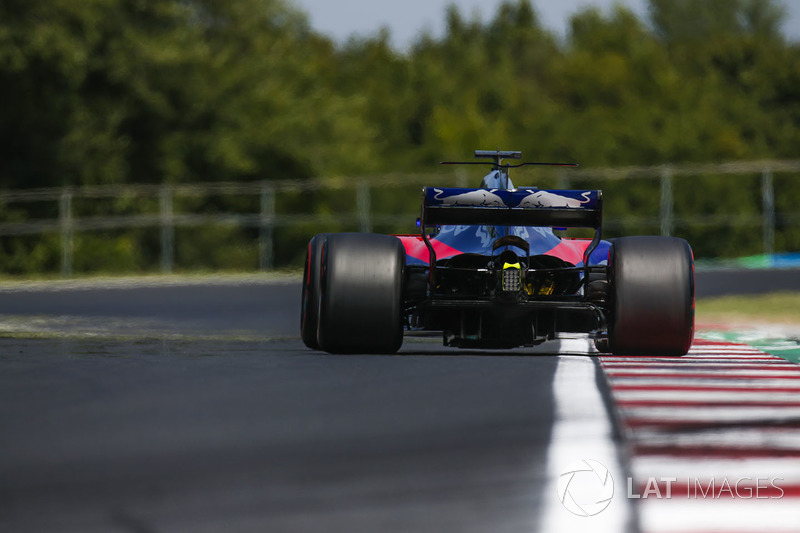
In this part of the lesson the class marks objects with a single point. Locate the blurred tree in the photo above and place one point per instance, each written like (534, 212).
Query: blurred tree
(371, 72)
(682, 21)
(170, 91)
(483, 84)
(106, 91)
(729, 49)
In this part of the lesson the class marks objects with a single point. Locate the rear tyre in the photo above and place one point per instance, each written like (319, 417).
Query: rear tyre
(309, 304)
(361, 308)
(652, 296)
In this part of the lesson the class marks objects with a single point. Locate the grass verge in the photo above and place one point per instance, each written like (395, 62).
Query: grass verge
(779, 307)
(769, 322)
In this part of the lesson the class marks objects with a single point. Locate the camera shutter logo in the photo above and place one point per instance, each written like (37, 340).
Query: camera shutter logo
(586, 488)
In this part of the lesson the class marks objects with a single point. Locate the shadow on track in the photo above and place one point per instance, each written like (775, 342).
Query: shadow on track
(153, 434)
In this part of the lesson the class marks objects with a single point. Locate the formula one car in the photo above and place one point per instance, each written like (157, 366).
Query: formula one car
(487, 270)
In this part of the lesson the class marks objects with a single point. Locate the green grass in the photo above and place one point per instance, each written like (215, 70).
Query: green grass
(9, 283)
(775, 307)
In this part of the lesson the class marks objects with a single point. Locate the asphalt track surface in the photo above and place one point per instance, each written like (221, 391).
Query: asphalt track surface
(721, 282)
(196, 408)
(189, 428)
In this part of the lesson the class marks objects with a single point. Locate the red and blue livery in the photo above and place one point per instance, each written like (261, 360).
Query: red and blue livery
(489, 269)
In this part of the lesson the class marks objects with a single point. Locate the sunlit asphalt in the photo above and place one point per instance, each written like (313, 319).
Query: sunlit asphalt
(196, 408)
(151, 407)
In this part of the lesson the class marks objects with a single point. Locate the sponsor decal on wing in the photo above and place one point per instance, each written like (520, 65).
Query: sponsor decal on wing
(549, 199)
(475, 198)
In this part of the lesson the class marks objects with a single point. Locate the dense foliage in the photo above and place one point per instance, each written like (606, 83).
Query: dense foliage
(176, 91)
(110, 91)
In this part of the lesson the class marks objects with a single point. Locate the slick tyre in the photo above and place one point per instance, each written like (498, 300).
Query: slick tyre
(309, 304)
(361, 308)
(652, 296)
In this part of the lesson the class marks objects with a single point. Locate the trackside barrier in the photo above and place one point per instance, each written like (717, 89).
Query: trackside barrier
(366, 213)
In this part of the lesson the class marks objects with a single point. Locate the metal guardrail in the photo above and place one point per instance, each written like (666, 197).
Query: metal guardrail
(267, 221)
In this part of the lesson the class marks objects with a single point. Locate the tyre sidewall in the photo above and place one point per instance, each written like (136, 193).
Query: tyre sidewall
(652, 296)
(309, 304)
(361, 309)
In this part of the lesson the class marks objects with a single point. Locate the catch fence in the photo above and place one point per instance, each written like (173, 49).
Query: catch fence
(760, 198)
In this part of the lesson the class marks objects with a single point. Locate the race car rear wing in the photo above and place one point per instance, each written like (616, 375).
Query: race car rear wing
(520, 207)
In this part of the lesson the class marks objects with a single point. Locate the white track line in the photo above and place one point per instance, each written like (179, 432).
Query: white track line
(582, 430)
(684, 468)
(793, 373)
(742, 383)
(739, 397)
(735, 516)
(704, 363)
(730, 413)
(776, 439)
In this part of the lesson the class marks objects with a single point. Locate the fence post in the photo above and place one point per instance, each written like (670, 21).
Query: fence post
(665, 214)
(364, 220)
(66, 228)
(167, 229)
(562, 180)
(266, 246)
(768, 204)
(461, 177)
